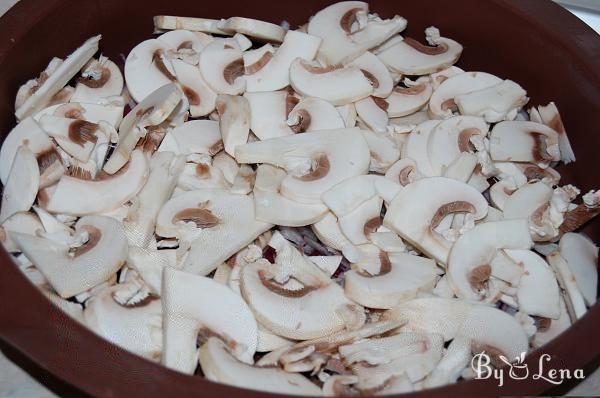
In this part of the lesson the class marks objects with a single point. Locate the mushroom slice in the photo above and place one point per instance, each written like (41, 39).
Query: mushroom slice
(548, 329)
(313, 113)
(415, 147)
(403, 172)
(471, 260)
(438, 78)
(99, 79)
(271, 71)
(358, 224)
(201, 176)
(295, 313)
(58, 79)
(375, 361)
(456, 358)
(489, 327)
(32, 85)
(372, 112)
(149, 264)
(410, 57)
(168, 22)
(187, 313)
(259, 30)
(164, 170)
(537, 292)
(315, 161)
(223, 70)
(221, 223)
(269, 111)
(338, 85)
(147, 68)
(401, 277)
(21, 222)
(500, 192)
(22, 184)
(111, 113)
(201, 97)
(185, 44)
(452, 137)
(136, 327)
(328, 231)
(377, 73)
(219, 365)
(153, 110)
(270, 206)
(243, 182)
(234, 121)
(384, 150)
(71, 271)
(418, 208)
(522, 141)
(198, 136)
(76, 136)
(441, 103)
(581, 255)
(77, 196)
(28, 133)
(407, 100)
(550, 116)
(574, 299)
(535, 173)
(348, 114)
(348, 31)
(495, 103)
(227, 165)
(529, 202)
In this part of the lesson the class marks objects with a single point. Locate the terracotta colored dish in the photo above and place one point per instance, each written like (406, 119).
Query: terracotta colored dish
(534, 42)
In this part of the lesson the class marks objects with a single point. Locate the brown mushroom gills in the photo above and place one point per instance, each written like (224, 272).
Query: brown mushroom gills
(259, 64)
(160, 65)
(281, 290)
(233, 70)
(429, 50)
(320, 169)
(303, 122)
(479, 276)
(452, 207)
(96, 83)
(81, 131)
(201, 216)
(94, 237)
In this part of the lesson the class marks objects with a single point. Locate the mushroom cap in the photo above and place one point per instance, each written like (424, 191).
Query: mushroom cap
(441, 103)
(147, 68)
(80, 197)
(269, 112)
(523, 141)
(74, 272)
(59, 78)
(321, 158)
(484, 325)
(222, 224)
(272, 207)
(377, 73)
(100, 79)
(201, 97)
(342, 43)
(27, 133)
(410, 57)
(234, 121)
(189, 308)
(22, 184)
(406, 277)
(415, 219)
(581, 255)
(219, 365)
(223, 69)
(259, 30)
(470, 263)
(338, 85)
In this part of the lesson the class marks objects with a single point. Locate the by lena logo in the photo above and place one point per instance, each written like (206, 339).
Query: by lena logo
(518, 370)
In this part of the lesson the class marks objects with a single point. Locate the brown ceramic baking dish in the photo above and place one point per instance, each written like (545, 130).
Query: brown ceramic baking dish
(534, 42)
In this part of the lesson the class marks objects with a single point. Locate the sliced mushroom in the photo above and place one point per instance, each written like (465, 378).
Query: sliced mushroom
(328, 231)
(377, 73)
(403, 172)
(76, 136)
(168, 22)
(358, 224)
(315, 161)
(32, 85)
(401, 277)
(471, 262)
(201, 175)
(573, 298)
(548, 329)
(221, 223)
(77, 196)
(500, 192)
(462, 167)
(581, 255)
(384, 150)
(201, 97)
(372, 112)
(223, 69)
(312, 113)
(153, 110)
(338, 85)
(149, 263)
(135, 327)
(99, 79)
(452, 137)
(270, 206)
(227, 165)
(550, 116)
(456, 358)
(234, 121)
(186, 315)
(198, 136)
(21, 222)
(348, 31)
(71, 271)
(530, 201)
(348, 114)
(259, 30)
(438, 78)
(415, 147)
(485, 326)
(441, 103)
(535, 173)
(537, 292)
(21, 185)
(112, 113)
(219, 365)
(407, 100)
(496, 103)
(519, 141)
(410, 57)
(58, 79)
(419, 207)
(243, 182)
(268, 113)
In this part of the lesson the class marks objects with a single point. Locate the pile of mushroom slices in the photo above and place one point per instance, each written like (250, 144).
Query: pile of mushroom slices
(338, 211)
